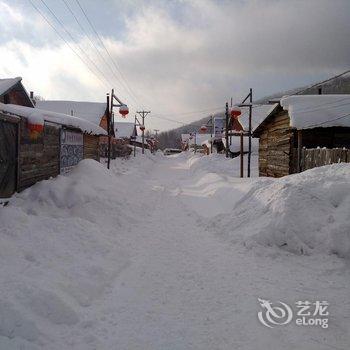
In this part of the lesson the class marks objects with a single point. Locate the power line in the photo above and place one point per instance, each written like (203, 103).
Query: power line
(75, 41)
(330, 120)
(322, 82)
(66, 42)
(92, 44)
(108, 53)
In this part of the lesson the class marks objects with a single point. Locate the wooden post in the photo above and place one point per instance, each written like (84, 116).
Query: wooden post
(108, 132)
(143, 134)
(135, 138)
(299, 150)
(226, 135)
(242, 154)
(250, 130)
(211, 135)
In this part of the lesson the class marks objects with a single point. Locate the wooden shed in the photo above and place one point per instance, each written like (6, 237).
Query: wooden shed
(302, 132)
(36, 145)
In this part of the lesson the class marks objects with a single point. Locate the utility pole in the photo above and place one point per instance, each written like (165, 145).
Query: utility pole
(123, 110)
(108, 132)
(143, 115)
(226, 135)
(211, 134)
(250, 129)
(135, 137)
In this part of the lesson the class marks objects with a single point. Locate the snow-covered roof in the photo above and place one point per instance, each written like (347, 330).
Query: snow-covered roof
(200, 139)
(40, 116)
(259, 113)
(90, 111)
(123, 129)
(310, 111)
(185, 137)
(6, 84)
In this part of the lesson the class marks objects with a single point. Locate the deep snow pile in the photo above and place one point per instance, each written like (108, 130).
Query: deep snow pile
(303, 213)
(218, 163)
(58, 253)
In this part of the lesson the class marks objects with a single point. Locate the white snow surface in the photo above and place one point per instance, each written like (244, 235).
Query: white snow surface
(39, 115)
(6, 84)
(173, 253)
(310, 111)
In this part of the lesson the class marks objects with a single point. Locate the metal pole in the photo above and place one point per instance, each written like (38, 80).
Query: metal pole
(108, 132)
(143, 134)
(250, 130)
(300, 140)
(135, 139)
(226, 136)
(195, 142)
(242, 155)
(211, 135)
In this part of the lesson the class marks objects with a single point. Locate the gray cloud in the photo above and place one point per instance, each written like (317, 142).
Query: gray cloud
(192, 55)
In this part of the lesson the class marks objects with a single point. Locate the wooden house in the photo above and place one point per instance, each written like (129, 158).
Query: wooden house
(93, 112)
(12, 91)
(302, 132)
(37, 144)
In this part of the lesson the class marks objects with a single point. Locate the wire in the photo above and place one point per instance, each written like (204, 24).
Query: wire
(322, 82)
(92, 44)
(75, 41)
(108, 53)
(330, 120)
(66, 42)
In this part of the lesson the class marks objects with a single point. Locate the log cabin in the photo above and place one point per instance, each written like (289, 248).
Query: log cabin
(297, 127)
(37, 144)
(93, 112)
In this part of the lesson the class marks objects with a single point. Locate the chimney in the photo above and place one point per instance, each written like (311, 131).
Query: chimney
(31, 95)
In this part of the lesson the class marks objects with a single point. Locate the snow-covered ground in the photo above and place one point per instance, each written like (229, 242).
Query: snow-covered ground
(173, 253)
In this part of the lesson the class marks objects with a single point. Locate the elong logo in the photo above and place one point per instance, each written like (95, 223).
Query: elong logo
(280, 313)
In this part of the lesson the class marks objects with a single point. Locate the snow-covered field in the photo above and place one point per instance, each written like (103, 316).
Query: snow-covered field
(173, 253)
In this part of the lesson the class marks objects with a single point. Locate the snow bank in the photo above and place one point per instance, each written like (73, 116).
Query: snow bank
(310, 111)
(61, 248)
(302, 213)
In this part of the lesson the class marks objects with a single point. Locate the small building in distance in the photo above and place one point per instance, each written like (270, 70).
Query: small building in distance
(125, 131)
(302, 132)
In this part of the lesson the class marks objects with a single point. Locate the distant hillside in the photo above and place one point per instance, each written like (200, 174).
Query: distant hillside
(340, 85)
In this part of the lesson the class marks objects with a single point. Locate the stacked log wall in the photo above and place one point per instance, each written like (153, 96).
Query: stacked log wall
(39, 159)
(275, 146)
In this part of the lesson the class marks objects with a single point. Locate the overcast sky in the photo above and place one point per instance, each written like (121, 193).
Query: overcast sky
(177, 57)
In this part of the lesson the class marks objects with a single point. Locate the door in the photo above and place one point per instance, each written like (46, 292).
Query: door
(8, 158)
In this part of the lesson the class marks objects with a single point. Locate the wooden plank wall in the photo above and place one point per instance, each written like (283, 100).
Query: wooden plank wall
(91, 147)
(38, 161)
(315, 157)
(275, 146)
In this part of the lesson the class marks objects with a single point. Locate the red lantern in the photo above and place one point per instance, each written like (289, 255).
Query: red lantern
(142, 128)
(35, 125)
(124, 110)
(235, 112)
(203, 128)
(35, 128)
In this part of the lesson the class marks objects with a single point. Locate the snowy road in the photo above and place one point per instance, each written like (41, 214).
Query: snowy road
(181, 285)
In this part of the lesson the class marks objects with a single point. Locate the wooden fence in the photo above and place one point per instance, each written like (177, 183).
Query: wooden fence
(315, 157)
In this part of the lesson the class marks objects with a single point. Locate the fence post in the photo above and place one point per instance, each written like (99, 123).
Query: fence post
(299, 149)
